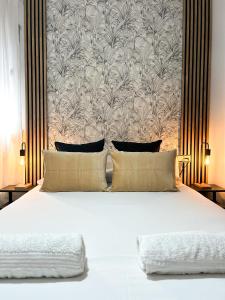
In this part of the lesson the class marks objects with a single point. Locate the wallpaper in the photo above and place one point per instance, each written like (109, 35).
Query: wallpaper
(114, 70)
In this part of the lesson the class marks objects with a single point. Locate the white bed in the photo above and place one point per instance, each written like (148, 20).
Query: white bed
(110, 223)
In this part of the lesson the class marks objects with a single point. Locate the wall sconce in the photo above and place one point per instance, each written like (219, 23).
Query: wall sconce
(184, 160)
(24, 185)
(22, 155)
(207, 153)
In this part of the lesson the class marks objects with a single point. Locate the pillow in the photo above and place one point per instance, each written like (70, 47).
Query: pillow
(144, 171)
(90, 147)
(137, 147)
(67, 172)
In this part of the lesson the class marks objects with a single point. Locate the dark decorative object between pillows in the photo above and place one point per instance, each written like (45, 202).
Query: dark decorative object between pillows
(137, 147)
(89, 147)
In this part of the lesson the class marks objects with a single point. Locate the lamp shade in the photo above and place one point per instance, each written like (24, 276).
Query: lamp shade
(22, 154)
(207, 153)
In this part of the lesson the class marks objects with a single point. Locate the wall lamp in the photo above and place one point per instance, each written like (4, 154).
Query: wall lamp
(206, 153)
(184, 160)
(23, 186)
(22, 153)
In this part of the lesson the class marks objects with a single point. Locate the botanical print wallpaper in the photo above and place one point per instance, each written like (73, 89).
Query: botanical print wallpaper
(114, 70)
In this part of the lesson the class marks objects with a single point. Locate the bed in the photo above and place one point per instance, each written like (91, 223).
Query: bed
(110, 224)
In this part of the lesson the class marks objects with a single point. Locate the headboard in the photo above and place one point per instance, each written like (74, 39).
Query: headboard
(110, 68)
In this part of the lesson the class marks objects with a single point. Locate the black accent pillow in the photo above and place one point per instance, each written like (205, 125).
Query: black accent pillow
(89, 147)
(137, 147)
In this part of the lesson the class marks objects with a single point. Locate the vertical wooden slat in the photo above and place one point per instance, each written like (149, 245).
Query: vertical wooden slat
(44, 18)
(195, 87)
(190, 100)
(198, 108)
(37, 63)
(204, 71)
(184, 112)
(182, 125)
(194, 100)
(26, 70)
(41, 82)
(30, 123)
(35, 58)
(201, 91)
(209, 68)
(34, 98)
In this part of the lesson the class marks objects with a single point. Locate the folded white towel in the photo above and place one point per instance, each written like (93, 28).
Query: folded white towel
(182, 253)
(41, 255)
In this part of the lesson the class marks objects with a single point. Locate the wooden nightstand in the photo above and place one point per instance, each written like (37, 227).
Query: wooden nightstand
(10, 189)
(214, 189)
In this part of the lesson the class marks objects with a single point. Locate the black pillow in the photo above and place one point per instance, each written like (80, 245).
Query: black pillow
(90, 147)
(137, 147)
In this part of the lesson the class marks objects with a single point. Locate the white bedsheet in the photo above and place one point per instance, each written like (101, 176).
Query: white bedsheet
(110, 224)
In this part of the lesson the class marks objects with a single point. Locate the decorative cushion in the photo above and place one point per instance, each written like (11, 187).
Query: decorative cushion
(90, 147)
(137, 147)
(66, 171)
(144, 171)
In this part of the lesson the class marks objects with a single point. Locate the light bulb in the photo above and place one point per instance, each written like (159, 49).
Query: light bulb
(207, 160)
(22, 160)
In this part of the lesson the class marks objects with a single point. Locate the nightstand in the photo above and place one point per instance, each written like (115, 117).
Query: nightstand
(10, 189)
(214, 189)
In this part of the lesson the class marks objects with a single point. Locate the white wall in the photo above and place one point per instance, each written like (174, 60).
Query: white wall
(217, 106)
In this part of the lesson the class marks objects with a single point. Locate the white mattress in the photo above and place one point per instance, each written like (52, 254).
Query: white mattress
(110, 223)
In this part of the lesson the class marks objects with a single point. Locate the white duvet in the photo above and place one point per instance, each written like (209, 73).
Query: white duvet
(110, 224)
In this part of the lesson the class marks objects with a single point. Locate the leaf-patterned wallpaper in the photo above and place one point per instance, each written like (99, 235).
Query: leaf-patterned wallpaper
(114, 70)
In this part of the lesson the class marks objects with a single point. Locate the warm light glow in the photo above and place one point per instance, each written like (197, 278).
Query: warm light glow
(22, 160)
(207, 160)
(183, 158)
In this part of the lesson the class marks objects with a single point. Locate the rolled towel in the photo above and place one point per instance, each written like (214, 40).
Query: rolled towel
(41, 255)
(182, 253)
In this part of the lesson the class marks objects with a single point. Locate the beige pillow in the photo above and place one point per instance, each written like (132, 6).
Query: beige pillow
(144, 171)
(67, 171)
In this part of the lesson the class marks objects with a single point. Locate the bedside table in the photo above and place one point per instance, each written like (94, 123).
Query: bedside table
(213, 189)
(10, 189)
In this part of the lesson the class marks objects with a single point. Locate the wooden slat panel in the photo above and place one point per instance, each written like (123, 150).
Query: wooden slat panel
(35, 58)
(195, 87)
